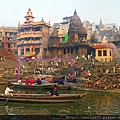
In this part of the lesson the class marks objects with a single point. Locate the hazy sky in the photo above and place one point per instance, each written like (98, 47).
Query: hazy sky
(12, 11)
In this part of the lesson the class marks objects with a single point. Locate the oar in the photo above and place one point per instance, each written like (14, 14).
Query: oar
(6, 101)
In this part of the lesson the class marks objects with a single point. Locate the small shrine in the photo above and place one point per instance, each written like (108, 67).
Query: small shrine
(104, 51)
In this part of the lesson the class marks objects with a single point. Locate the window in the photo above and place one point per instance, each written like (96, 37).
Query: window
(71, 50)
(33, 28)
(76, 51)
(104, 52)
(27, 49)
(37, 28)
(28, 38)
(37, 50)
(15, 33)
(22, 30)
(110, 53)
(22, 51)
(8, 45)
(68, 51)
(37, 38)
(64, 51)
(6, 33)
(99, 53)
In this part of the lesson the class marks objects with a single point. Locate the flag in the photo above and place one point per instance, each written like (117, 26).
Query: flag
(66, 37)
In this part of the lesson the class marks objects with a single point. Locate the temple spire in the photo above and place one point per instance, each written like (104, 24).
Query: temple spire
(29, 9)
(48, 22)
(101, 24)
(42, 19)
(29, 16)
(75, 12)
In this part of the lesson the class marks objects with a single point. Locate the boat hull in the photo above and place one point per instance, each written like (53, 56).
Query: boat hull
(44, 86)
(40, 98)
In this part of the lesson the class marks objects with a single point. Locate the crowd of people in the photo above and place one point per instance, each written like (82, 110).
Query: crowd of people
(32, 81)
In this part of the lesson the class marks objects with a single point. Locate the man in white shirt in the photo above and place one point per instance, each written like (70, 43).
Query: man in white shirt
(8, 90)
(19, 81)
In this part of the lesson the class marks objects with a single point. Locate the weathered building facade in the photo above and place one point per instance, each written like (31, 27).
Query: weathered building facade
(8, 36)
(32, 37)
(77, 44)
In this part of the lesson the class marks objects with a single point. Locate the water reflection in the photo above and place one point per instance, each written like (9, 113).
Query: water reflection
(94, 103)
(9, 110)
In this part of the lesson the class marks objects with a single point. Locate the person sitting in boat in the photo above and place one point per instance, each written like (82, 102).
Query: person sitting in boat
(31, 82)
(8, 91)
(43, 80)
(26, 82)
(54, 91)
(38, 81)
(19, 81)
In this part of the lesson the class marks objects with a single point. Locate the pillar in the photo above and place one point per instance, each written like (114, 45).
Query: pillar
(19, 51)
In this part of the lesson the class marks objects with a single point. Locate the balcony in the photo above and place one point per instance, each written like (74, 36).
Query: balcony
(29, 42)
(29, 34)
(20, 42)
(9, 42)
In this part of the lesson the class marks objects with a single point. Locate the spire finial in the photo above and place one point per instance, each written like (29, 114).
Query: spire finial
(49, 22)
(75, 12)
(19, 23)
(100, 20)
(29, 9)
(42, 19)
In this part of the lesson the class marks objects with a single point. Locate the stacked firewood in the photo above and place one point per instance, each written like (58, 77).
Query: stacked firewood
(106, 81)
(103, 78)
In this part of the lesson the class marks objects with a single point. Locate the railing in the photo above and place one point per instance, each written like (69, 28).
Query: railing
(9, 41)
(29, 34)
(29, 42)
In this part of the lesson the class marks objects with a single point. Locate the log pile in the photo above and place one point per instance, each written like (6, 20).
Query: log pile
(103, 78)
(106, 81)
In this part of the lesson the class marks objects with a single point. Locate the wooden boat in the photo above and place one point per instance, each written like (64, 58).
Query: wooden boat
(62, 80)
(42, 98)
(41, 86)
(71, 85)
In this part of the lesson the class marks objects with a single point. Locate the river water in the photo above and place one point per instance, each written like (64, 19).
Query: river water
(94, 103)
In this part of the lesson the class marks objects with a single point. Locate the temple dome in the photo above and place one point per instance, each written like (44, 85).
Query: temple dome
(76, 26)
(75, 20)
